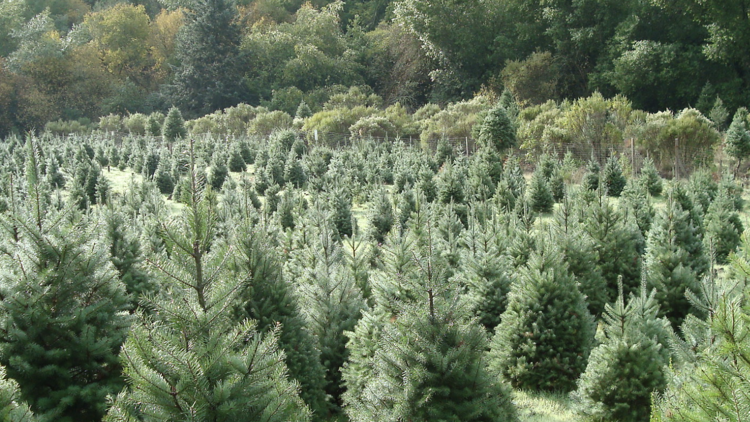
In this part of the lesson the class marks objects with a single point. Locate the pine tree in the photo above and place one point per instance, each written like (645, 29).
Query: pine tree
(209, 74)
(450, 184)
(486, 271)
(557, 185)
(341, 208)
(329, 297)
(267, 298)
(497, 130)
(722, 227)
(628, 364)
(303, 110)
(380, 216)
(294, 173)
(651, 176)
(219, 172)
(612, 177)
(174, 126)
(236, 162)
(540, 197)
(546, 333)
(417, 356)
(737, 141)
(190, 359)
(163, 179)
(670, 267)
(154, 123)
(706, 381)
(126, 255)
(636, 200)
(62, 311)
(591, 178)
(581, 256)
(12, 407)
(619, 242)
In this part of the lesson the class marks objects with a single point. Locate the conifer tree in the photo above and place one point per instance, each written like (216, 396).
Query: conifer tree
(62, 308)
(486, 271)
(722, 227)
(557, 185)
(341, 209)
(303, 110)
(546, 332)
(540, 197)
(417, 356)
(706, 381)
(236, 162)
(580, 254)
(619, 242)
(12, 406)
(450, 184)
(209, 74)
(219, 172)
(651, 176)
(329, 297)
(591, 178)
(163, 179)
(154, 124)
(737, 141)
(628, 364)
(497, 130)
(267, 298)
(174, 126)
(380, 216)
(294, 173)
(636, 200)
(612, 177)
(669, 264)
(190, 359)
(126, 255)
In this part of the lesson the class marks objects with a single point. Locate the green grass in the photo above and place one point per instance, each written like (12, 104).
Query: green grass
(545, 407)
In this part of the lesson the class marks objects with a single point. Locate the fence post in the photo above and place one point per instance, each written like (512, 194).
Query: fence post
(676, 146)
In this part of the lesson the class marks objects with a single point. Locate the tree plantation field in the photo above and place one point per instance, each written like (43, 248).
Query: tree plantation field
(211, 278)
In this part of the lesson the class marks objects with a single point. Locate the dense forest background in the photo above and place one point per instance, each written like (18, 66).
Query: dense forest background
(80, 60)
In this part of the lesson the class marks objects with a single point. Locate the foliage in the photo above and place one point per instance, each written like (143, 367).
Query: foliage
(546, 333)
(628, 364)
(173, 127)
(497, 130)
(190, 358)
(612, 178)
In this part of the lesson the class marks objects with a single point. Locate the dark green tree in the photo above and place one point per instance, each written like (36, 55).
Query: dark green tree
(627, 366)
(737, 141)
(173, 127)
(209, 76)
(154, 123)
(669, 264)
(380, 217)
(591, 178)
(546, 333)
(341, 213)
(126, 255)
(267, 298)
(612, 177)
(218, 173)
(651, 176)
(63, 311)
(236, 162)
(722, 229)
(294, 173)
(497, 130)
(539, 194)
